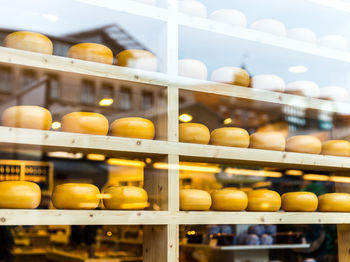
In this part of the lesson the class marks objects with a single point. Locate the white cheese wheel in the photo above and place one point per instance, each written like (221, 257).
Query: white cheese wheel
(192, 68)
(336, 93)
(334, 41)
(194, 199)
(231, 75)
(304, 144)
(193, 7)
(302, 34)
(268, 82)
(305, 88)
(229, 16)
(271, 26)
(268, 140)
(139, 59)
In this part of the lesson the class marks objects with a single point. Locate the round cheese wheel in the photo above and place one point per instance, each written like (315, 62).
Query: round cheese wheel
(280, 126)
(19, 194)
(334, 202)
(302, 34)
(76, 196)
(263, 200)
(268, 82)
(194, 133)
(229, 200)
(271, 26)
(34, 117)
(336, 93)
(138, 59)
(134, 127)
(192, 68)
(334, 41)
(304, 88)
(231, 75)
(125, 197)
(192, 7)
(299, 202)
(229, 16)
(85, 123)
(268, 140)
(336, 148)
(304, 144)
(230, 136)
(91, 52)
(194, 199)
(29, 41)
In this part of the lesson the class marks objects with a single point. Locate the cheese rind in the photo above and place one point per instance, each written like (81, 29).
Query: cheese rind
(229, 200)
(334, 202)
(85, 123)
(231, 75)
(133, 127)
(91, 52)
(299, 202)
(138, 59)
(192, 68)
(194, 133)
(304, 88)
(304, 144)
(336, 93)
(268, 82)
(268, 140)
(125, 197)
(29, 41)
(336, 148)
(195, 200)
(230, 136)
(263, 200)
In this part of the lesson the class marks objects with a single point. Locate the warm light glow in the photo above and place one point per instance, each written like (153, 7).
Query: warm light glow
(298, 69)
(106, 102)
(294, 172)
(56, 125)
(316, 177)
(250, 172)
(185, 118)
(188, 167)
(191, 232)
(96, 157)
(59, 154)
(109, 233)
(340, 179)
(125, 162)
(228, 121)
(148, 160)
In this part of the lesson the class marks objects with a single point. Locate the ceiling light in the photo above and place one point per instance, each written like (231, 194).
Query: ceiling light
(251, 172)
(316, 177)
(228, 121)
(106, 102)
(185, 118)
(125, 162)
(294, 172)
(298, 69)
(56, 125)
(96, 157)
(59, 154)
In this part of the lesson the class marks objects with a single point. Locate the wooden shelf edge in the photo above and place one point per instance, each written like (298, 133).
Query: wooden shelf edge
(248, 247)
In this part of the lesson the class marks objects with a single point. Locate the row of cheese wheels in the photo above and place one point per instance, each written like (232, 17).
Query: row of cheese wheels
(27, 195)
(238, 137)
(262, 200)
(35, 42)
(36, 117)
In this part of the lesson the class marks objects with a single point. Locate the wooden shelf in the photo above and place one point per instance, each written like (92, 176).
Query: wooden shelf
(248, 247)
(64, 64)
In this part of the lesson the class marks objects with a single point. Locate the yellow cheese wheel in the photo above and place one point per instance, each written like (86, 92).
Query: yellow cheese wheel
(304, 144)
(125, 197)
(268, 140)
(34, 117)
(139, 59)
(263, 200)
(85, 123)
(231, 75)
(336, 148)
(91, 52)
(194, 199)
(29, 41)
(194, 133)
(76, 196)
(19, 194)
(230, 136)
(134, 127)
(229, 200)
(299, 202)
(334, 202)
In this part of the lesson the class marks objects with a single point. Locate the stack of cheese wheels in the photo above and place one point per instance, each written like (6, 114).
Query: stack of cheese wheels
(91, 52)
(228, 199)
(229, 16)
(194, 133)
(194, 199)
(263, 200)
(334, 202)
(85, 123)
(231, 75)
(268, 140)
(34, 117)
(76, 196)
(29, 41)
(192, 68)
(302, 34)
(193, 7)
(336, 148)
(125, 197)
(271, 26)
(139, 59)
(268, 82)
(133, 127)
(19, 194)
(299, 202)
(334, 41)
(336, 93)
(230, 136)
(304, 144)
(304, 88)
